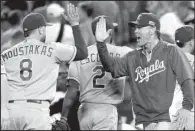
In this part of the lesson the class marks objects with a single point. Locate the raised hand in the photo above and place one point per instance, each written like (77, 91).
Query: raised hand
(71, 14)
(101, 34)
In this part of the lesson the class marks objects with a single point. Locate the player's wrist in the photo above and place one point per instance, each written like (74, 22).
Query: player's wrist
(101, 39)
(100, 42)
(74, 23)
(64, 118)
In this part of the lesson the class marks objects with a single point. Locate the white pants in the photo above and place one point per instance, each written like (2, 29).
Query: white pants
(29, 116)
(97, 117)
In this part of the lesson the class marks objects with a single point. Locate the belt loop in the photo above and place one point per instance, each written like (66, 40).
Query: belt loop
(11, 101)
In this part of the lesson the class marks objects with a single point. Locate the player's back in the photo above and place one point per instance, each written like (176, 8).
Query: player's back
(32, 69)
(96, 85)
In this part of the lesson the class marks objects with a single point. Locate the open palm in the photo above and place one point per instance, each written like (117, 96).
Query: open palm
(71, 14)
(101, 34)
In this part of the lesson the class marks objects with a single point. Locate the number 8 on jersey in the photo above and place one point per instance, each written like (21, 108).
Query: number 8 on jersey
(24, 69)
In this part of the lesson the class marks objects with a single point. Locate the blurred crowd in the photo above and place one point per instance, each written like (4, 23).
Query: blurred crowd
(172, 15)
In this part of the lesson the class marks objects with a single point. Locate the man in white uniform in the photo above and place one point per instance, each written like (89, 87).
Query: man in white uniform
(184, 38)
(99, 92)
(4, 98)
(32, 70)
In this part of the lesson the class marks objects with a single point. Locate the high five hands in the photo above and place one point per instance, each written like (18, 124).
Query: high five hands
(101, 34)
(71, 14)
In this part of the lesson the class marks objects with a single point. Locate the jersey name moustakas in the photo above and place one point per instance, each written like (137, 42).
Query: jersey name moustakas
(27, 50)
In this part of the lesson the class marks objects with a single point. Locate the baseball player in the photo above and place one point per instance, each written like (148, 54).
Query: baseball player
(153, 69)
(4, 99)
(99, 92)
(184, 38)
(32, 70)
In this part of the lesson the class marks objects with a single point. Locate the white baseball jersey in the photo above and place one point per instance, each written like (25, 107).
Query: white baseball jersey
(4, 88)
(96, 85)
(2, 68)
(32, 68)
(178, 94)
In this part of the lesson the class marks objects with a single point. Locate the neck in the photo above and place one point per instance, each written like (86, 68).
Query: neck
(32, 37)
(150, 45)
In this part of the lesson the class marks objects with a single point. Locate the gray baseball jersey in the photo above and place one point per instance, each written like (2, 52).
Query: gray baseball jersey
(32, 68)
(96, 85)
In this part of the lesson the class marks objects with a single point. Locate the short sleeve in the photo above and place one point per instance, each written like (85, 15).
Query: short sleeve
(73, 72)
(64, 52)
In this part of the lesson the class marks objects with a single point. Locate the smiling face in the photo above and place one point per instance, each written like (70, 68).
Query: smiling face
(143, 34)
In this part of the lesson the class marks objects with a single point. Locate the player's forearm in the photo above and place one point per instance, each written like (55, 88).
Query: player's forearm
(105, 58)
(188, 93)
(67, 104)
(80, 44)
(70, 98)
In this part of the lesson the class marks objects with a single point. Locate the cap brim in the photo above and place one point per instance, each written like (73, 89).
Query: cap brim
(192, 8)
(133, 23)
(49, 24)
(136, 24)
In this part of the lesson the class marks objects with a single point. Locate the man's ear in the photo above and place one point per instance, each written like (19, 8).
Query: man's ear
(40, 30)
(153, 30)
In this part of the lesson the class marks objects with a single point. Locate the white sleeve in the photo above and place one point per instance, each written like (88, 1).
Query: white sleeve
(64, 52)
(2, 68)
(4, 87)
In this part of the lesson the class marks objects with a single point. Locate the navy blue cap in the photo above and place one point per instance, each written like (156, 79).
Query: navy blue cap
(146, 19)
(184, 34)
(34, 21)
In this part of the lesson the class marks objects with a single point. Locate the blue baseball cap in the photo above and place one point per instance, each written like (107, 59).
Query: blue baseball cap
(146, 19)
(34, 21)
(184, 34)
